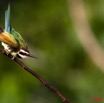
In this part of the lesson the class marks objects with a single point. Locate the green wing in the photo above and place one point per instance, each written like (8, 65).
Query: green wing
(18, 38)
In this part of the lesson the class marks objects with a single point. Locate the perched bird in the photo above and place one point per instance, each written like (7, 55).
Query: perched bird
(12, 41)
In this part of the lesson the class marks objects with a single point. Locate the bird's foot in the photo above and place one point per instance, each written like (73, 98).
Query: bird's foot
(13, 57)
(5, 52)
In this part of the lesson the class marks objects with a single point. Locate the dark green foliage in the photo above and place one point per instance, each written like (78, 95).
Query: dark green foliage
(48, 30)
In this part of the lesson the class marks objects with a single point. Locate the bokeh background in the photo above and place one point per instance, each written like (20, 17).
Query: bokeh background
(47, 27)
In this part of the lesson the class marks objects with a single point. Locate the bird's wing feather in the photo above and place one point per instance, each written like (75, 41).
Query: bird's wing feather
(7, 19)
(10, 36)
(17, 36)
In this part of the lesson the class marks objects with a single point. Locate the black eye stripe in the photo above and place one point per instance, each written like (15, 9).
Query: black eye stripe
(22, 53)
(18, 56)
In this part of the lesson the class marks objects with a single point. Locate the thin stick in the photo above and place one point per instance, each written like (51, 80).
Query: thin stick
(84, 32)
(42, 80)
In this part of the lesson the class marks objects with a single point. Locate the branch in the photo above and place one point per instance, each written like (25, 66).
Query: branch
(43, 81)
(85, 34)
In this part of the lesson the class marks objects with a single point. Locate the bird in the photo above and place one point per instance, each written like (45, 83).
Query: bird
(12, 41)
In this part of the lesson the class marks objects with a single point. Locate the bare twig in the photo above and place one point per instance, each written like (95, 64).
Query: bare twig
(43, 81)
(85, 34)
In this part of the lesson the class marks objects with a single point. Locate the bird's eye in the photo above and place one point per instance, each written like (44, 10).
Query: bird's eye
(22, 53)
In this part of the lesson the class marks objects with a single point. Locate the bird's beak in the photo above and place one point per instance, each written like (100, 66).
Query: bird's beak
(32, 56)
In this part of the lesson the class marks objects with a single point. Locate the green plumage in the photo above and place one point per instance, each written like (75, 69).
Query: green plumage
(12, 41)
(16, 37)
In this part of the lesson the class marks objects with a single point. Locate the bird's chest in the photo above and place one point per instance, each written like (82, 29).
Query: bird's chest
(6, 47)
(10, 49)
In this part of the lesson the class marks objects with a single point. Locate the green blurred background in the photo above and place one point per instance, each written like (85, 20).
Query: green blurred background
(47, 27)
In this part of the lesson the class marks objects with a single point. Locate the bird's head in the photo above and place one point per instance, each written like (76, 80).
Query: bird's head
(25, 54)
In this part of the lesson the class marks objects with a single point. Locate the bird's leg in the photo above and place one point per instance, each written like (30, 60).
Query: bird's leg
(6, 52)
(13, 57)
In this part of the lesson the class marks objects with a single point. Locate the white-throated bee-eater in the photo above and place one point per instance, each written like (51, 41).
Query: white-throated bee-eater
(12, 41)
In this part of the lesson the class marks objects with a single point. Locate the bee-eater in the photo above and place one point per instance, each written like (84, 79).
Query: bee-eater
(12, 41)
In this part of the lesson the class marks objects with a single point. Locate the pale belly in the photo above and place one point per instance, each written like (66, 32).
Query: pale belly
(7, 49)
(19, 54)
